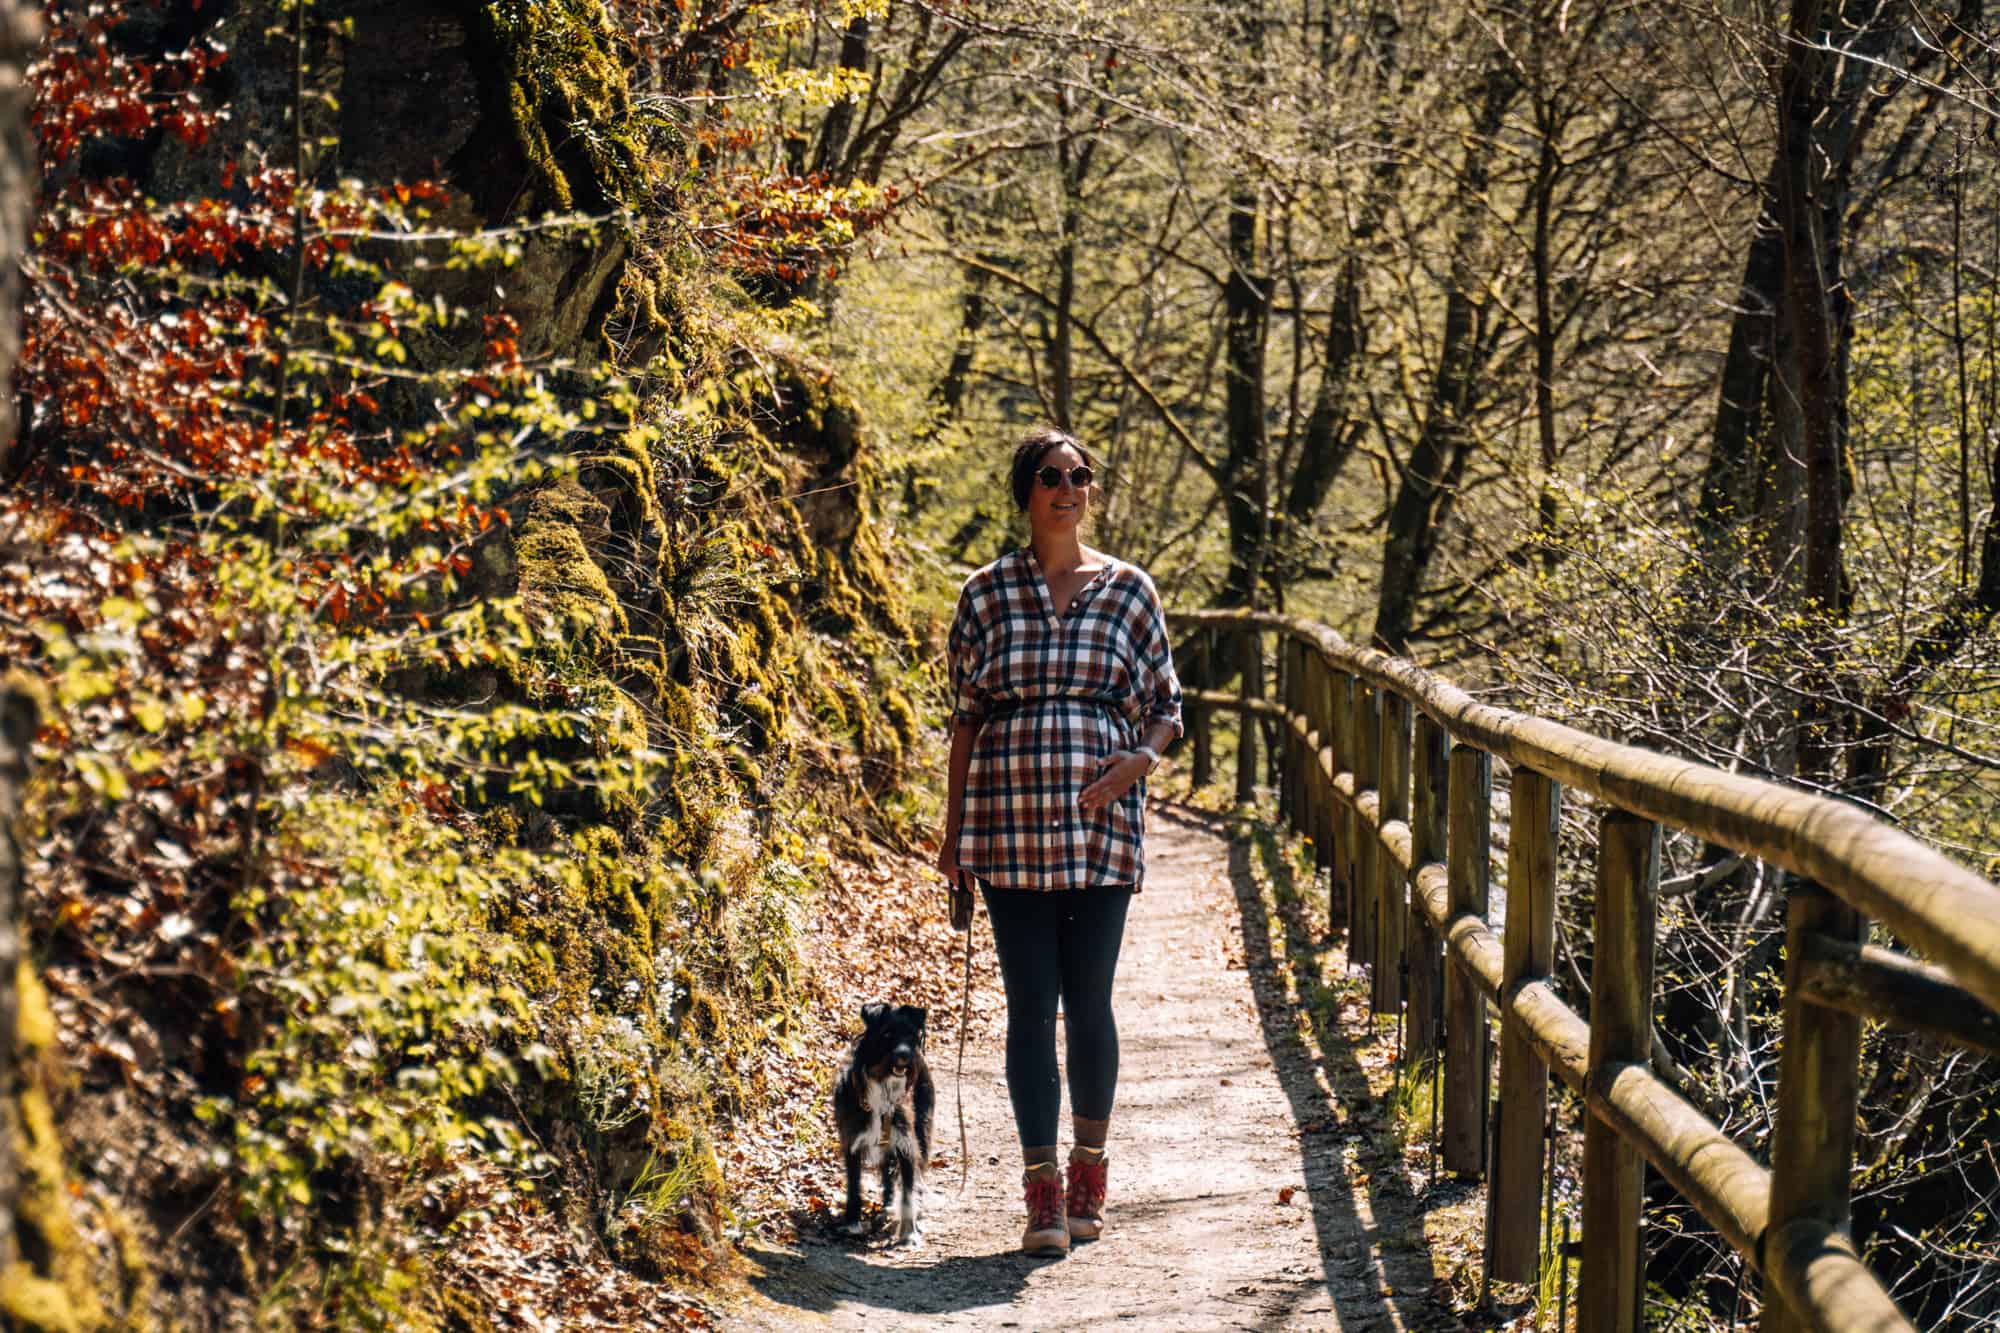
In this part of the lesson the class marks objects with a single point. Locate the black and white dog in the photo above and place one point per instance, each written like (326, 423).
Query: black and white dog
(886, 1080)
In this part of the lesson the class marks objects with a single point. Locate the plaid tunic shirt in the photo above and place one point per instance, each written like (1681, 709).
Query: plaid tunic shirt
(1056, 692)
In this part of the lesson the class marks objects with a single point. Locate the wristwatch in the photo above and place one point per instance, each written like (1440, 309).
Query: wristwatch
(1152, 756)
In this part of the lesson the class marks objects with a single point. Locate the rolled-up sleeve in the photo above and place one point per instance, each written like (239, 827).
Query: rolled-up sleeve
(964, 655)
(1161, 688)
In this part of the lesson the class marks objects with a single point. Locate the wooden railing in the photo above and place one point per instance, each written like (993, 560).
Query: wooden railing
(1388, 769)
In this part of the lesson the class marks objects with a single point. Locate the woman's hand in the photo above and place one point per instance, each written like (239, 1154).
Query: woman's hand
(947, 858)
(1116, 773)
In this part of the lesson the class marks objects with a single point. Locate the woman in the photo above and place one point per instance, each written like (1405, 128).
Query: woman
(1064, 696)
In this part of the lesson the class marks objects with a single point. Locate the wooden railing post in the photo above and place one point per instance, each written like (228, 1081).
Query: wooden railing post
(1200, 716)
(1341, 702)
(1466, 1050)
(1621, 1033)
(1791, 1221)
(1529, 952)
(1319, 709)
(1308, 761)
(1281, 745)
(1427, 843)
(1391, 885)
(1292, 775)
(1367, 735)
(1250, 655)
(1812, 1139)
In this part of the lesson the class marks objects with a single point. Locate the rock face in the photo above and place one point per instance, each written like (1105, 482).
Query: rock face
(17, 729)
(710, 602)
(489, 98)
(485, 99)
(818, 425)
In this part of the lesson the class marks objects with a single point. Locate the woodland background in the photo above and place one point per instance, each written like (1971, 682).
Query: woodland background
(488, 479)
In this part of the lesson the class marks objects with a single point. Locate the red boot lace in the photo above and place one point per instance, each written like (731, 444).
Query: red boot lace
(1045, 1201)
(1086, 1187)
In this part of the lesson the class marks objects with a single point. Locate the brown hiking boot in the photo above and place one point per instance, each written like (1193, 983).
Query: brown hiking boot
(1046, 1234)
(1085, 1202)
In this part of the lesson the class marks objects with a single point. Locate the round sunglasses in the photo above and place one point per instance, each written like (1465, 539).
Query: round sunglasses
(1051, 477)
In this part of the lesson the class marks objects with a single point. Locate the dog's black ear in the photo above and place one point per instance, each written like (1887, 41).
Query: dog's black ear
(871, 1014)
(917, 1015)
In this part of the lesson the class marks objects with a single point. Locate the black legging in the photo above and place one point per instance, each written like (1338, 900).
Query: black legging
(1063, 942)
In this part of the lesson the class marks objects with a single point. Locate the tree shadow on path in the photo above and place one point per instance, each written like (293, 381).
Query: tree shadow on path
(1375, 1258)
(827, 1271)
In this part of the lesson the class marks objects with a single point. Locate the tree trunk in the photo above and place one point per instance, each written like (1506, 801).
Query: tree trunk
(1073, 154)
(830, 158)
(1329, 438)
(1246, 300)
(1246, 304)
(1061, 383)
(1442, 444)
(949, 394)
(1548, 165)
(17, 730)
(20, 26)
(1332, 431)
(1809, 221)
(1746, 372)
(1412, 537)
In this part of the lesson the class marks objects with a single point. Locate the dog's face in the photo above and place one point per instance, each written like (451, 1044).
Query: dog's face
(891, 1038)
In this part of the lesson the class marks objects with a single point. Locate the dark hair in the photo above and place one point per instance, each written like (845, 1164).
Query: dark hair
(1028, 456)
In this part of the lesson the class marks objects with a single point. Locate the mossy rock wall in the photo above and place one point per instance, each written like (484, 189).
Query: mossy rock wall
(715, 601)
(759, 654)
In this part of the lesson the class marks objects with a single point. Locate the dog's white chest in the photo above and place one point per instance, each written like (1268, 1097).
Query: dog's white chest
(879, 1098)
(883, 1095)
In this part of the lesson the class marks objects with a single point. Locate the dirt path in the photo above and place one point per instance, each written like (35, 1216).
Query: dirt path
(1234, 1194)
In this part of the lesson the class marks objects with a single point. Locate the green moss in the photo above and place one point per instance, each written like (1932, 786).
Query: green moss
(608, 886)
(829, 706)
(60, 1296)
(749, 776)
(733, 657)
(467, 1309)
(771, 621)
(654, 311)
(34, 1021)
(632, 464)
(502, 825)
(626, 733)
(854, 705)
(682, 711)
(763, 719)
(902, 717)
(51, 1289)
(570, 100)
(134, 1256)
(705, 1016)
(557, 573)
(32, 1302)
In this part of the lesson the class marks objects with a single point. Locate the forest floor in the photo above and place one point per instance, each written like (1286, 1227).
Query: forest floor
(1256, 1179)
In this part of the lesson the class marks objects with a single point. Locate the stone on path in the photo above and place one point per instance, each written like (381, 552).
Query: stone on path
(1222, 1214)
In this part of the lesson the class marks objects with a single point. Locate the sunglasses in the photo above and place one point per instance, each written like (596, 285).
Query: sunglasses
(1051, 477)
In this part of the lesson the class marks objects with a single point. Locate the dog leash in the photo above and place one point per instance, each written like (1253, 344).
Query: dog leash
(962, 905)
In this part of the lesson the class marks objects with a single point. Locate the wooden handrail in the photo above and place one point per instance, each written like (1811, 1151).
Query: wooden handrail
(1930, 901)
(1330, 706)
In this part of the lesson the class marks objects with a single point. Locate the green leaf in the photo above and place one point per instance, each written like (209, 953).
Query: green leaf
(149, 712)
